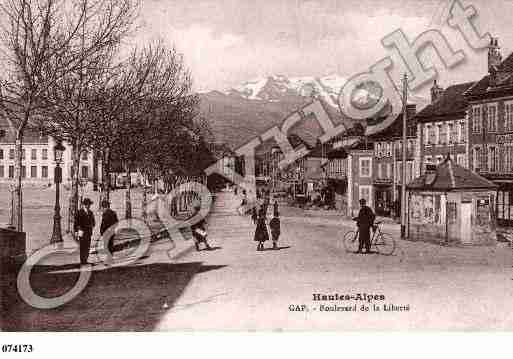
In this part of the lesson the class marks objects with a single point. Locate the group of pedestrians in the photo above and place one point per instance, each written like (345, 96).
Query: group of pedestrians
(84, 225)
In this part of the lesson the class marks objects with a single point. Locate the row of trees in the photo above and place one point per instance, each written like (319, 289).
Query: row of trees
(66, 74)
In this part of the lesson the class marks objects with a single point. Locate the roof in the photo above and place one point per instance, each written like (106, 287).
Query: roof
(451, 102)
(505, 79)
(394, 128)
(450, 176)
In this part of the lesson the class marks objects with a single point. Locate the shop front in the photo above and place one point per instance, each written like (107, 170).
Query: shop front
(383, 198)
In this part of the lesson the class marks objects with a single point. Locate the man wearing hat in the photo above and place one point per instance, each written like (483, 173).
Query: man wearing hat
(84, 224)
(109, 218)
(365, 221)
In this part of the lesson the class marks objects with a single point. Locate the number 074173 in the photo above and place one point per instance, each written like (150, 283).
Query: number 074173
(17, 348)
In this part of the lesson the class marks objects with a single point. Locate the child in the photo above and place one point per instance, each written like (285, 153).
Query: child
(261, 234)
(198, 231)
(275, 228)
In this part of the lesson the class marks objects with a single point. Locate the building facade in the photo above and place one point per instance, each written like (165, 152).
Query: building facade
(490, 115)
(38, 165)
(443, 126)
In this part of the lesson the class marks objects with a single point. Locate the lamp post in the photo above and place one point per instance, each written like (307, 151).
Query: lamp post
(403, 174)
(58, 151)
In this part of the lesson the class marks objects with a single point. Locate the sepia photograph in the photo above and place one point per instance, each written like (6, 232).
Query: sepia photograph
(255, 166)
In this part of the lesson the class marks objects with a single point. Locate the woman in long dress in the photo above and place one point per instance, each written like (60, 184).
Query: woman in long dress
(261, 233)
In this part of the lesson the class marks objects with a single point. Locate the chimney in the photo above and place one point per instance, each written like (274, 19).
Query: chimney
(494, 59)
(436, 92)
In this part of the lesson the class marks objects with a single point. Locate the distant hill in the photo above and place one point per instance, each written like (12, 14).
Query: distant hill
(240, 114)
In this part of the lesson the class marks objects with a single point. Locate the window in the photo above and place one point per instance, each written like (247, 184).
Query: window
(380, 170)
(1, 171)
(409, 171)
(492, 118)
(11, 171)
(389, 170)
(492, 160)
(399, 172)
(476, 119)
(476, 160)
(365, 167)
(45, 154)
(365, 193)
(501, 164)
(510, 158)
(85, 172)
(33, 171)
(23, 172)
(462, 133)
(1, 154)
(508, 116)
(44, 171)
(23, 154)
(84, 156)
(33, 154)
(410, 146)
(11, 153)
(442, 130)
(453, 133)
(460, 159)
(432, 135)
(427, 131)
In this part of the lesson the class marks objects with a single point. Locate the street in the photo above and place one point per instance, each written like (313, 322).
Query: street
(234, 287)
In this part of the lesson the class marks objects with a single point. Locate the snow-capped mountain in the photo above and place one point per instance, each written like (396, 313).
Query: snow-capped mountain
(278, 87)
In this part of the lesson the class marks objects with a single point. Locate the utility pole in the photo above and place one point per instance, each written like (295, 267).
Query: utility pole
(403, 175)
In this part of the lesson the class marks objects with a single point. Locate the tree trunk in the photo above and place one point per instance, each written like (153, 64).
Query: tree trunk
(106, 175)
(95, 170)
(73, 209)
(18, 196)
(144, 199)
(128, 213)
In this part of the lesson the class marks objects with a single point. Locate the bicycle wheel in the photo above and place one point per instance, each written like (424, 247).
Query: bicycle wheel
(385, 244)
(351, 241)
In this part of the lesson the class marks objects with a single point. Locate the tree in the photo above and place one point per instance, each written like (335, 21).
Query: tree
(67, 104)
(152, 108)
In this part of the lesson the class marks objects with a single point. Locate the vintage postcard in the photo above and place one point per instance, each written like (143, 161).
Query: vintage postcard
(214, 165)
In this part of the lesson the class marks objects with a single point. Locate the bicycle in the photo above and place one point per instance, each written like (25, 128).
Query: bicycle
(382, 242)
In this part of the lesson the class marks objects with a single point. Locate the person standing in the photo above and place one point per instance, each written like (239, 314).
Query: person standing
(261, 234)
(365, 221)
(199, 231)
(275, 228)
(83, 227)
(254, 215)
(109, 218)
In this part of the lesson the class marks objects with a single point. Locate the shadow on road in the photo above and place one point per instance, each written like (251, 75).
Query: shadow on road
(275, 249)
(132, 298)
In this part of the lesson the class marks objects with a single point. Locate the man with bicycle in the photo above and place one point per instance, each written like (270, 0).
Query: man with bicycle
(365, 222)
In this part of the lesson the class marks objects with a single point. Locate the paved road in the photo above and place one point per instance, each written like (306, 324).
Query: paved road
(235, 287)
(445, 287)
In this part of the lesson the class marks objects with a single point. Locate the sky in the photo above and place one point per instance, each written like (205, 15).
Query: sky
(228, 42)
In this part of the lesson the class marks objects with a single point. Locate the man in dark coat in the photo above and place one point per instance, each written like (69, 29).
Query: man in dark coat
(84, 224)
(109, 218)
(365, 221)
